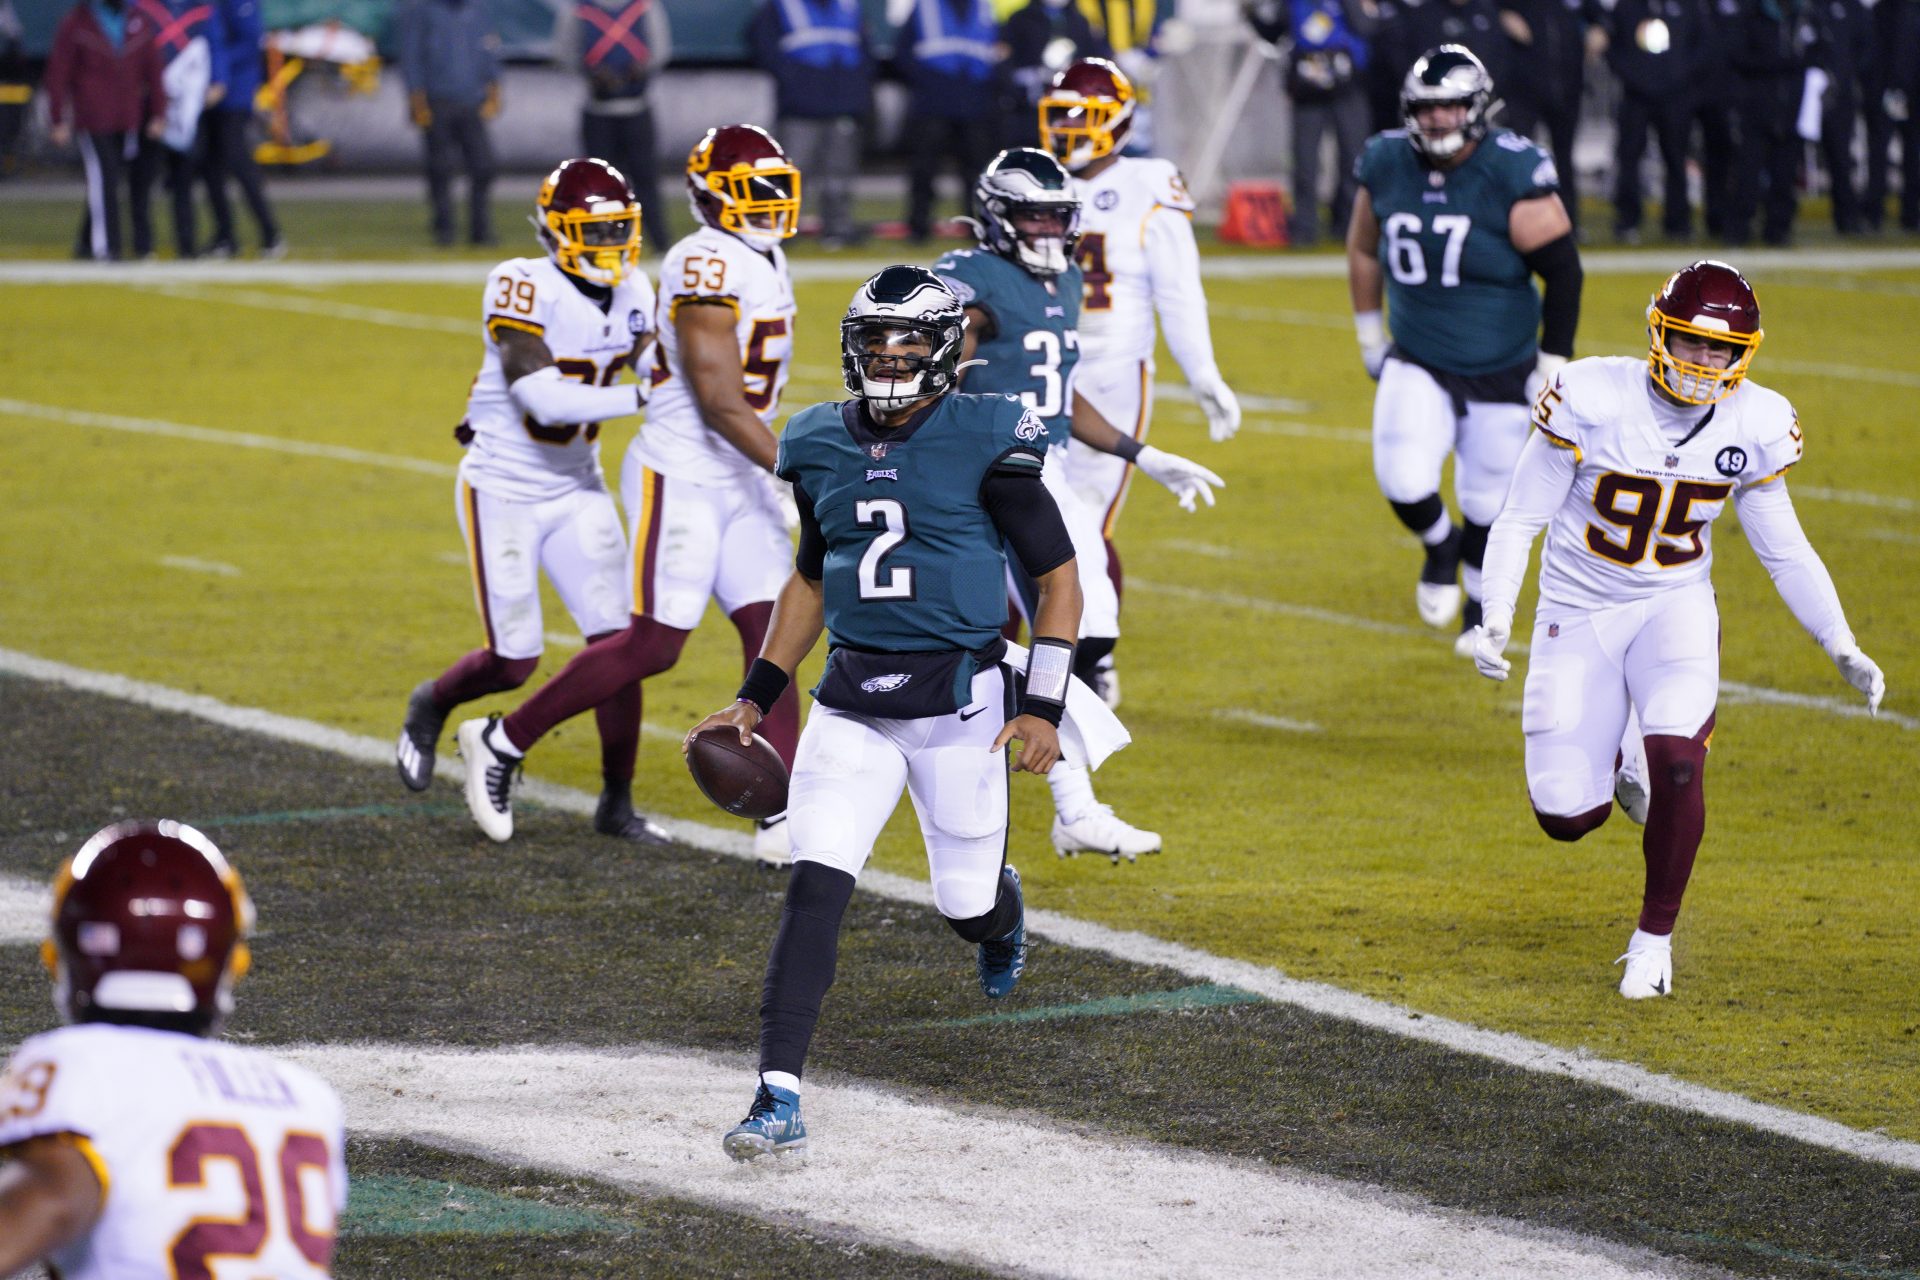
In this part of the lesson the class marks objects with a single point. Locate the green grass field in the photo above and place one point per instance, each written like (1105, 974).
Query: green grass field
(1387, 849)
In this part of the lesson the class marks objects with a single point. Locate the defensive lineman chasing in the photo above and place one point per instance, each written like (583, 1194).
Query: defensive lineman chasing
(1630, 462)
(910, 498)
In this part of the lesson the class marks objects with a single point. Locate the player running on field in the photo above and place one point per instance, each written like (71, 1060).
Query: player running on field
(1630, 463)
(134, 1143)
(1137, 256)
(1454, 219)
(911, 500)
(1022, 296)
(531, 495)
(709, 520)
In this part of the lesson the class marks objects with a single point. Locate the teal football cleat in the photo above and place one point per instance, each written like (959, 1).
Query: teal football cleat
(773, 1125)
(1004, 959)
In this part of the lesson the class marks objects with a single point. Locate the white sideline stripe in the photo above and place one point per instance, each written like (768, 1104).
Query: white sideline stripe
(1211, 550)
(1266, 721)
(1853, 497)
(1895, 535)
(213, 435)
(929, 1178)
(323, 307)
(24, 907)
(1651, 262)
(1848, 707)
(1134, 948)
(193, 564)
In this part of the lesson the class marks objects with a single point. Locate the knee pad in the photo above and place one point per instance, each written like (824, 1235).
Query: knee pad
(1571, 827)
(966, 899)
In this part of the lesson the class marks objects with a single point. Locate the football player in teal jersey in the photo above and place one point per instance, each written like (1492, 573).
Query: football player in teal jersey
(1022, 291)
(911, 497)
(1453, 220)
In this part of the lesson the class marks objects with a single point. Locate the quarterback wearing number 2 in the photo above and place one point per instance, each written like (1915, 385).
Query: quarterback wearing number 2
(1630, 462)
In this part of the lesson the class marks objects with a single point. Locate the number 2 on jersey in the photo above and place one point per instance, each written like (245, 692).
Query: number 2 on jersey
(889, 516)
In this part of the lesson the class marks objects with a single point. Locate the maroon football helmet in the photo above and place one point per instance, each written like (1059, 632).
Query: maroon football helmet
(149, 927)
(1707, 300)
(740, 181)
(588, 220)
(1087, 113)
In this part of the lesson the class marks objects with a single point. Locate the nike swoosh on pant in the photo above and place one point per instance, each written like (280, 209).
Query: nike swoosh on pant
(965, 716)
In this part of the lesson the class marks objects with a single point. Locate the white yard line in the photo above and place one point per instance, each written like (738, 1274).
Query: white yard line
(1848, 707)
(213, 435)
(1006, 1193)
(1265, 721)
(193, 564)
(1653, 263)
(24, 905)
(1136, 948)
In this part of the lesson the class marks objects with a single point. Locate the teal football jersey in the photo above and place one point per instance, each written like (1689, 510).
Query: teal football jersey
(1036, 337)
(1459, 297)
(914, 563)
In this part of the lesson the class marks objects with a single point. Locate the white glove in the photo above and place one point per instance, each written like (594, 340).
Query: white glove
(1863, 674)
(1372, 332)
(1188, 480)
(1543, 371)
(781, 495)
(1489, 642)
(1220, 405)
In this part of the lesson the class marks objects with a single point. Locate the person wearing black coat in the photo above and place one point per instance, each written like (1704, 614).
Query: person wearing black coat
(1769, 45)
(1549, 67)
(1653, 46)
(1843, 38)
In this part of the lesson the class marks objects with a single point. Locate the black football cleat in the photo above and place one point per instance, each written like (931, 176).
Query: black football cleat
(614, 816)
(419, 738)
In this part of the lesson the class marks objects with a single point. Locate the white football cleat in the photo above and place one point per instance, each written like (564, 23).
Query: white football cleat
(772, 844)
(1630, 782)
(1098, 831)
(1438, 602)
(1649, 962)
(490, 778)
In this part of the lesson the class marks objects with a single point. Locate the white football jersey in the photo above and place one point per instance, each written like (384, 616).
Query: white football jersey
(217, 1159)
(1117, 314)
(711, 264)
(1639, 519)
(513, 456)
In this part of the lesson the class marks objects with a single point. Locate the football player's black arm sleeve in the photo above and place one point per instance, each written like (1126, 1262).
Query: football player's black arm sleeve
(1028, 519)
(811, 558)
(1558, 263)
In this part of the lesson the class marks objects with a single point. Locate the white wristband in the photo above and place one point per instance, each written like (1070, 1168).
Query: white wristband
(1369, 328)
(1049, 668)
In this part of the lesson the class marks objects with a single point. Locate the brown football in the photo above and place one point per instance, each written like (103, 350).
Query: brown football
(749, 782)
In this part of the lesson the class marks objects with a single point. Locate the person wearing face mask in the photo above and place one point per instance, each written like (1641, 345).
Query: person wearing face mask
(1631, 460)
(104, 90)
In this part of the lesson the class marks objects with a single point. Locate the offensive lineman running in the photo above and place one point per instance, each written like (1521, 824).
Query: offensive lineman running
(709, 520)
(1137, 256)
(1456, 218)
(558, 331)
(134, 1143)
(911, 499)
(1630, 462)
(1022, 296)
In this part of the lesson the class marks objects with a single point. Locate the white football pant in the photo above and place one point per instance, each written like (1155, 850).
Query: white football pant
(695, 542)
(576, 538)
(849, 771)
(1099, 605)
(1662, 654)
(1122, 392)
(1415, 427)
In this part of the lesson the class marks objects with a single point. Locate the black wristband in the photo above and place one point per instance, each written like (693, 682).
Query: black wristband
(1127, 448)
(763, 686)
(1051, 712)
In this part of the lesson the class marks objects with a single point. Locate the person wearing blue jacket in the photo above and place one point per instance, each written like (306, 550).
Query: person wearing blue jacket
(948, 52)
(822, 71)
(449, 57)
(224, 127)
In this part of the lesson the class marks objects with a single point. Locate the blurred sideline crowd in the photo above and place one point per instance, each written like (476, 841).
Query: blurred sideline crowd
(1746, 102)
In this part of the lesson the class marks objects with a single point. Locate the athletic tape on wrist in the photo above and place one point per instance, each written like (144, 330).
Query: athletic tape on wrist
(763, 686)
